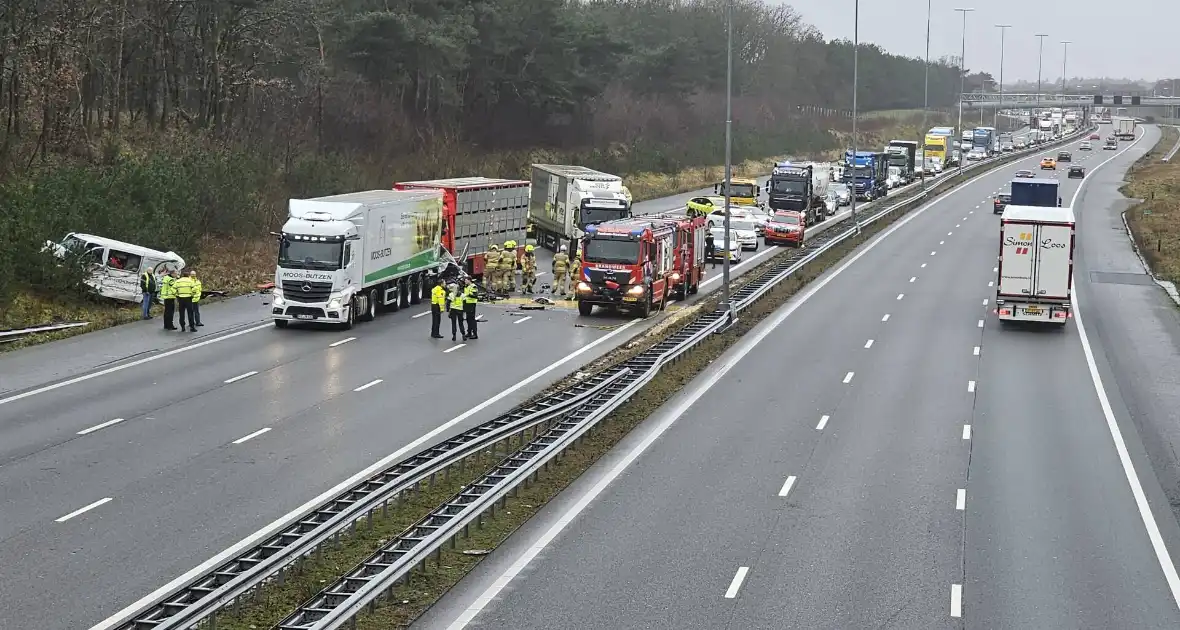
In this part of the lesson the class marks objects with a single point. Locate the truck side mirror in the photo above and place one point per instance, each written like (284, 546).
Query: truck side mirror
(1059, 202)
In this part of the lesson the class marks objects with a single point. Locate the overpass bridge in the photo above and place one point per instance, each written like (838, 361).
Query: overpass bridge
(1166, 106)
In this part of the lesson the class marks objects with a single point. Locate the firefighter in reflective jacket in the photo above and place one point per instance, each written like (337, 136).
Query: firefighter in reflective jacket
(438, 303)
(469, 302)
(561, 267)
(528, 265)
(508, 266)
(491, 268)
(575, 269)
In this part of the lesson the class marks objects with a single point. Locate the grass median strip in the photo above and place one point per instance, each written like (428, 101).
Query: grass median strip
(271, 603)
(1155, 219)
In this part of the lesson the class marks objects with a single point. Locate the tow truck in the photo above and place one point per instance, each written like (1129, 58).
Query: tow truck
(613, 254)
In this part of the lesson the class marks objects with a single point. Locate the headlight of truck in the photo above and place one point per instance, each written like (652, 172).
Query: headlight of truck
(277, 297)
(675, 276)
(336, 301)
(583, 287)
(636, 290)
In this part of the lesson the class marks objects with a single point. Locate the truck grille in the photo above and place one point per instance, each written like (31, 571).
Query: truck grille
(306, 291)
(600, 276)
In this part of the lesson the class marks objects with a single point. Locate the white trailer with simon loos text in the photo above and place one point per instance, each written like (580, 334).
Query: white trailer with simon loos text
(1035, 277)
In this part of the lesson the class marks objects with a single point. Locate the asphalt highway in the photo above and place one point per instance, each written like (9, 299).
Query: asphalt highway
(880, 453)
(130, 456)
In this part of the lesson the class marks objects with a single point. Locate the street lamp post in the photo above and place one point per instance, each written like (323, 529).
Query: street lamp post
(1064, 56)
(727, 304)
(926, 97)
(855, 89)
(1003, 29)
(1040, 57)
(962, 79)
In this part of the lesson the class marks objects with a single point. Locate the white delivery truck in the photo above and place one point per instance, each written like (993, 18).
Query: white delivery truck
(342, 258)
(563, 200)
(1036, 264)
(1124, 128)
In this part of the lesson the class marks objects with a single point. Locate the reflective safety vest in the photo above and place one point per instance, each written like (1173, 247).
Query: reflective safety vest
(167, 291)
(147, 282)
(469, 294)
(457, 301)
(438, 297)
(196, 290)
(183, 286)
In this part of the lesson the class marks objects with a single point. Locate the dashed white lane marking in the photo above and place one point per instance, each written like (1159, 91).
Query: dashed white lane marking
(786, 489)
(868, 344)
(989, 284)
(454, 348)
(736, 584)
(923, 265)
(964, 218)
(523, 319)
(995, 269)
(423, 314)
(956, 600)
(240, 377)
(823, 422)
(980, 324)
(367, 385)
(848, 377)
(933, 253)
(885, 317)
(344, 341)
(942, 242)
(977, 205)
(252, 435)
(83, 510)
(966, 432)
(970, 212)
(985, 301)
(961, 499)
(971, 387)
(975, 352)
(900, 295)
(100, 426)
(913, 278)
(949, 233)
(958, 224)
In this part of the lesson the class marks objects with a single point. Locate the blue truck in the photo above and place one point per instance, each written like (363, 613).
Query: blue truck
(1035, 192)
(871, 174)
(984, 139)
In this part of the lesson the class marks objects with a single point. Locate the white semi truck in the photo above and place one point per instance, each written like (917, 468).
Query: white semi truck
(1124, 128)
(342, 258)
(563, 200)
(1035, 280)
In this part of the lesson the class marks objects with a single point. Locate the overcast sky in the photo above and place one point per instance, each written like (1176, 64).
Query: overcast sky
(1144, 50)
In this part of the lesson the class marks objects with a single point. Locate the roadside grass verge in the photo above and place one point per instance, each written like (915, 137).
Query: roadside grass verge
(1155, 219)
(408, 600)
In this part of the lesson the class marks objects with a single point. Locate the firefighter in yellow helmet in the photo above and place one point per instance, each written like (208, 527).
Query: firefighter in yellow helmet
(528, 265)
(508, 266)
(575, 267)
(491, 268)
(561, 268)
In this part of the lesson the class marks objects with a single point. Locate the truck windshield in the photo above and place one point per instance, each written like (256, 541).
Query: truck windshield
(738, 190)
(788, 186)
(863, 172)
(934, 148)
(611, 251)
(591, 215)
(310, 255)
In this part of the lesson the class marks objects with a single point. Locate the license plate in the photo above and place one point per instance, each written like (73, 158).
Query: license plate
(1032, 310)
(629, 299)
(304, 317)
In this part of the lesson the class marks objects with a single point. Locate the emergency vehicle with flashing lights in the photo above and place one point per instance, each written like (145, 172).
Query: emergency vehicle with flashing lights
(786, 228)
(1035, 271)
(614, 270)
(689, 268)
(479, 212)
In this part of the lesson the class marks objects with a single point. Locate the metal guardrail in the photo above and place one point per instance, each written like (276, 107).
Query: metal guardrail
(1172, 153)
(567, 414)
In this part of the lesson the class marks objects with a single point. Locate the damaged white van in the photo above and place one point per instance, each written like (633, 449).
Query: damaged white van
(115, 265)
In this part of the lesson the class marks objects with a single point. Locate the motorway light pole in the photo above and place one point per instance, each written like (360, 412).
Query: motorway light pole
(855, 89)
(1064, 56)
(1003, 29)
(1040, 57)
(926, 97)
(725, 297)
(962, 80)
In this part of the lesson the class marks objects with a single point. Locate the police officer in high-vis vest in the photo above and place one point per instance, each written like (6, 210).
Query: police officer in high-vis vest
(168, 296)
(196, 296)
(469, 302)
(184, 286)
(438, 303)
(456, 300)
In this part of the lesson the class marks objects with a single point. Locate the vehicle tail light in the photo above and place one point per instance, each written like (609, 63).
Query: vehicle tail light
(1005, 311)
(1060, 314)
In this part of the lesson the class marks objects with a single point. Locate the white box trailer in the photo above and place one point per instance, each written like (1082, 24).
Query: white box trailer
(1035, 281)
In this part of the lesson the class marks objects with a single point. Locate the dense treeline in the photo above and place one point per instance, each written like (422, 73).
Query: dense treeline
(162, 121)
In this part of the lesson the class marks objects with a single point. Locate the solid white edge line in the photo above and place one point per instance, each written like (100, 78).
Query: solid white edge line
(668, 418)
(956, 600)
(83, 510)
(100, 426)
(523, 319)
(239, 377)
(786, 489)
(268, 531)
(848, 377)
(961, 499)
(736, 584)
(117, 368)
(341, 342)
(1120, 445)
(966, 432)
(454, 348)
(823, 422)
(252, 435)
(367, 385)
(971, 386)
(422, 314)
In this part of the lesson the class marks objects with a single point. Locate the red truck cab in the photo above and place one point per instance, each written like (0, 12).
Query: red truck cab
(627, 263)
(785, 228)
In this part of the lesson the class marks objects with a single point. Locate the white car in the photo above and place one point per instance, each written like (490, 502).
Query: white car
(746, 230)
(1085, 146)
(735, 247)
(976, 155)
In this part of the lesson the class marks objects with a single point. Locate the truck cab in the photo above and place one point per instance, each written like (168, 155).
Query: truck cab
(615, 272)
(565, 199)
(799, 188)
(743, 191)
(866, 173)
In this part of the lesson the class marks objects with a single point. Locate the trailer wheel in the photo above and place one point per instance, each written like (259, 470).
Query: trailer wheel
(281, 323)
(403, 292)
(585, 308)
(416, 288)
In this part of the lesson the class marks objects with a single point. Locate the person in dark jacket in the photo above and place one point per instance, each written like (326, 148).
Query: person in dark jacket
(147, 286)
(710, 248)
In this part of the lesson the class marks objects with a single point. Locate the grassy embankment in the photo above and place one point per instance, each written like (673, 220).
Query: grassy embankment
(238, 265)
(1155, 220)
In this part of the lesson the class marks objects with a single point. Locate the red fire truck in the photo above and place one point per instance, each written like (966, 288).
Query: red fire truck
(627, 263)
(689, 269)
(785, 228)
(479, 212)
